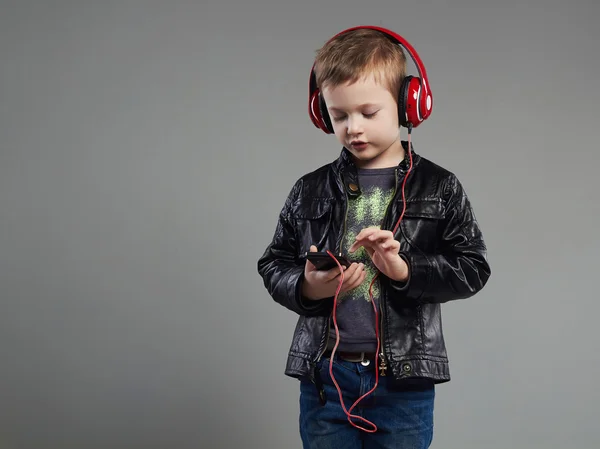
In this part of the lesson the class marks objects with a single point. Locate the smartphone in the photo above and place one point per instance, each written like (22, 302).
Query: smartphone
(324, 261)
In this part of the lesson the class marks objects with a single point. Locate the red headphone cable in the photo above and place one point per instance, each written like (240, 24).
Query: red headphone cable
(337, 333)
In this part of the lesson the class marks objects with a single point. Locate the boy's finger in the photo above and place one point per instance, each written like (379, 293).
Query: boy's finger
(389, 245)
(356, 280)
(334, 273)
(363, 241)
(354, 246)
(354, 276)
(365, 232)
(310, 266)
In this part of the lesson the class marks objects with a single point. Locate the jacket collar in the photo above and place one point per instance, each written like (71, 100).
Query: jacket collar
(349, 173)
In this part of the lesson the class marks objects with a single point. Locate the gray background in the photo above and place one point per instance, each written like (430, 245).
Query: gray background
(145, 151)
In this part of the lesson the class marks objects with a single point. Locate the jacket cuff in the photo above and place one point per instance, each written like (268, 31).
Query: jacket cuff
(402, 286)
(307, 306)
(418, 272)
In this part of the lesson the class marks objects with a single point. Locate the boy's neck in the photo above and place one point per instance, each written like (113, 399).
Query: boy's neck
(378, 166)
(392, 157)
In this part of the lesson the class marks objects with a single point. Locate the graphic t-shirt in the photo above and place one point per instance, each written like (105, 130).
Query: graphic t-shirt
(354, 312)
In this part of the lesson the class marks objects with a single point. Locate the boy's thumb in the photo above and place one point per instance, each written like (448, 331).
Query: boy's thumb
(309, 264)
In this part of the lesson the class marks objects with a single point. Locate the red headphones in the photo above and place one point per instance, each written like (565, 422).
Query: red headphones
(415, 100)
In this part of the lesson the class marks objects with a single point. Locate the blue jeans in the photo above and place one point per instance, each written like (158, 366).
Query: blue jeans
(403, 416)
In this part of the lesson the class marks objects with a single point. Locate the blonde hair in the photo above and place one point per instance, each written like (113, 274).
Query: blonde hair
(357, 54)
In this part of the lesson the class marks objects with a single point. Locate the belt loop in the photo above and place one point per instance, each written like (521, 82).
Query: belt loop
(360, 358)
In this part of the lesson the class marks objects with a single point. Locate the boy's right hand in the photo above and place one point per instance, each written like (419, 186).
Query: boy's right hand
(320, 284)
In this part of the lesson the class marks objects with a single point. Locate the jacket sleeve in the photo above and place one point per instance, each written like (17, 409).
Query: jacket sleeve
(460, 269)
(280, 269)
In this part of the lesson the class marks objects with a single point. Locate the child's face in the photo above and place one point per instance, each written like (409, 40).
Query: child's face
(364, 116)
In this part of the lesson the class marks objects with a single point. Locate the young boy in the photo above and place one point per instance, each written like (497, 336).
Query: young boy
(371, 332)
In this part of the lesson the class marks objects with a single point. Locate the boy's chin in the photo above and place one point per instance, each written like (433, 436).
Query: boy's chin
(363, 155)
(365, 160)
(360, 157)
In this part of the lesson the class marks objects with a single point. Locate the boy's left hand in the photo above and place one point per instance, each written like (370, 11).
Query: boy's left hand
(383, 250)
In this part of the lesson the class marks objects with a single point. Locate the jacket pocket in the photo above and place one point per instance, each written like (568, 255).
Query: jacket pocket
(312, 223)
(422, 223)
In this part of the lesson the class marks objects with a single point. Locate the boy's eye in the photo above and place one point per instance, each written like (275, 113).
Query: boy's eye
(342, 117)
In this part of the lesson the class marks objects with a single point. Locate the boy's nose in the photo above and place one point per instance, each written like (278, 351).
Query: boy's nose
(354, 126)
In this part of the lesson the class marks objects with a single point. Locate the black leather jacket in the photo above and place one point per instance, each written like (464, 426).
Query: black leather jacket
(440, 239)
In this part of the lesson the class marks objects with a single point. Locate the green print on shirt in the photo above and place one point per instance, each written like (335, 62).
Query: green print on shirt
(366, 211)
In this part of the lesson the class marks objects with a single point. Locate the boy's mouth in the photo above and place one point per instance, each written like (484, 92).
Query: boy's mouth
(358, 144)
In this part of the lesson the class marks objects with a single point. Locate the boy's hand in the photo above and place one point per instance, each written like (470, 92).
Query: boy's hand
(320, 284)
(383, 250)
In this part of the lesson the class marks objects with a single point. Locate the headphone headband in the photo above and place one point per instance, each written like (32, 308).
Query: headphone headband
(416, 106)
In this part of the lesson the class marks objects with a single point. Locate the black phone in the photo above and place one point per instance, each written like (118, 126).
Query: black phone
(323, 261)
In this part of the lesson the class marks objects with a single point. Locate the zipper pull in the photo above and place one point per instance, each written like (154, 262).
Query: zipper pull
(382, 366)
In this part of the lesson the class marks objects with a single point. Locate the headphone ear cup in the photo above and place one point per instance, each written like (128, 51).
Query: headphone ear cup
(402, 96)
(325, 115)
(409, 101)
(315, 110)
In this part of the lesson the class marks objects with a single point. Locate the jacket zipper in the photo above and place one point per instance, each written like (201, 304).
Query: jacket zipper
(341, 239)
(382, 359)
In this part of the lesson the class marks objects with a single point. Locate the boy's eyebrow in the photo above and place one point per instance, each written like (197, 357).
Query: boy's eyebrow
(361, 106)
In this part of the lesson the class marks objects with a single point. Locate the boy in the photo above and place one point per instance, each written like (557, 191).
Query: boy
(369, 335)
